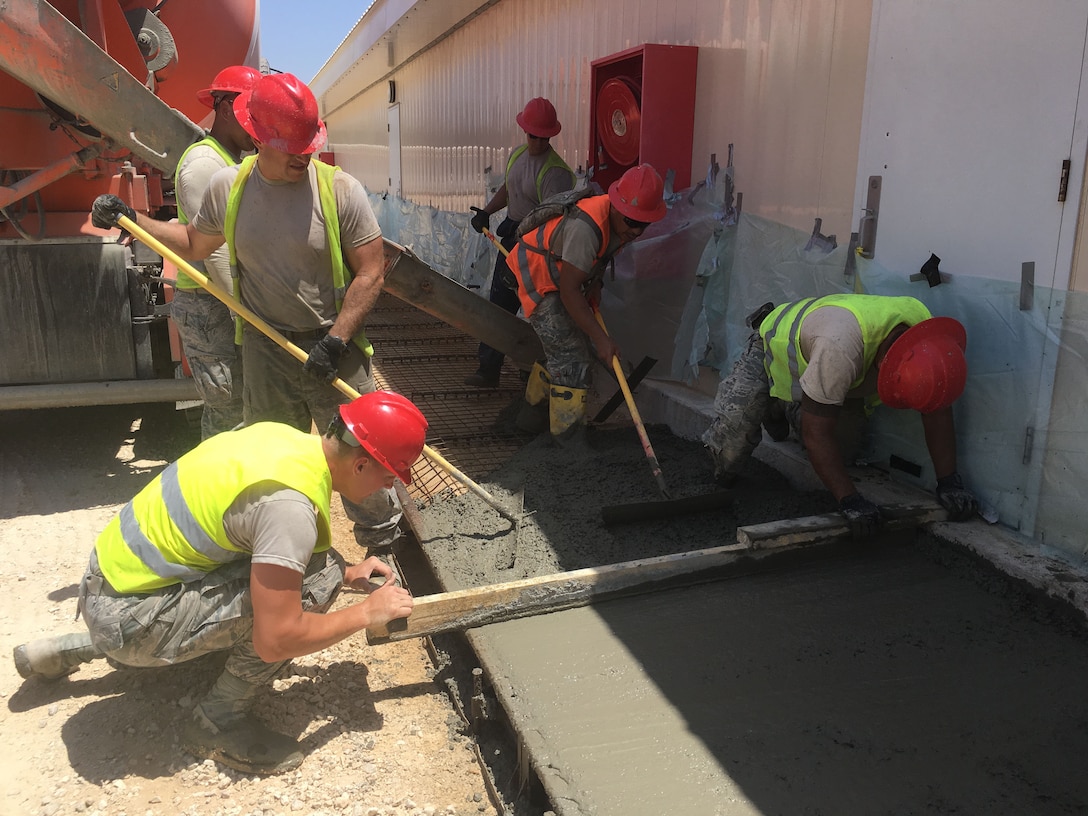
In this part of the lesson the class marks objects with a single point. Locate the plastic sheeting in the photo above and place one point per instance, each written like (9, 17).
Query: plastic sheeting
(681, 294)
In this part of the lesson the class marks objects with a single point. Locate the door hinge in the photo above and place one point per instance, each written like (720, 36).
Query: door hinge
(1063, 185)
(1029, 443)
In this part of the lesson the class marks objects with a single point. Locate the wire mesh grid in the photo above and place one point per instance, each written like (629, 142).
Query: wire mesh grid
(426, 360)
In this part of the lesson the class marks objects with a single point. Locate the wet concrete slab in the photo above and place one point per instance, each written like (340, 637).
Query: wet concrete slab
(885, 678)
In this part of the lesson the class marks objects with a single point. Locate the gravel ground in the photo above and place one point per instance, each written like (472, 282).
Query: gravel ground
(382, 737)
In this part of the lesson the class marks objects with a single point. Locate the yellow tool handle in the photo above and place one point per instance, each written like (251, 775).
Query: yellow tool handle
(496, 242)
(242, 311)
(655, 468)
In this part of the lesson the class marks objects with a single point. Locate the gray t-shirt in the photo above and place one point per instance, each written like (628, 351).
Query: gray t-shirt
(193, 176)
(275, 524)
(576, 242)
(831, 341)
(521, 184)
(284, 266)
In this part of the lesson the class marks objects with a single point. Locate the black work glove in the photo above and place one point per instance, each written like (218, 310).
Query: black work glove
(107, 209)
(480, 221)
(955, 498)
(325, 357)
(861, 514)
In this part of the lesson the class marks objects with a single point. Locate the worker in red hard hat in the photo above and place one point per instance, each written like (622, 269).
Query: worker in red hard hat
(559, 266)
(230, 549)
(820, 365)
(307, 255)
(205, 325)
(534, 172)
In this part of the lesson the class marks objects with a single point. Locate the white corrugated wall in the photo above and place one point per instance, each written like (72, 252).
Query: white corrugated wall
(783, 81)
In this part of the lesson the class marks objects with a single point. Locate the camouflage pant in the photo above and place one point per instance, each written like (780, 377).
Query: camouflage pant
(206, 329)
(278, 390)
(568, 354)
(740, 406)
(185, 621)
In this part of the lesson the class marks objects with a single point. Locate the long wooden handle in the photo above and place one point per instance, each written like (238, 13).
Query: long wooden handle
(494, 239)
(629, 398)
(272, 334)
(480, 606)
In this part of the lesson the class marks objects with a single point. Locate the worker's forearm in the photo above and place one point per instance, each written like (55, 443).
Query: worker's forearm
(311, 632)
(497, 202)
(940, 434)
(360, 298)
(174, 235)
(823, 453)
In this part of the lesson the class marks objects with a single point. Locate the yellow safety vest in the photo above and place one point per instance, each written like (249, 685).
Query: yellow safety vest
(184, 281)
(781, 332)
(553, 160)
(172, 531)
(327, 196)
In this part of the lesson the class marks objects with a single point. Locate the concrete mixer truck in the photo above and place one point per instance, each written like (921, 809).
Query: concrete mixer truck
(97, 96)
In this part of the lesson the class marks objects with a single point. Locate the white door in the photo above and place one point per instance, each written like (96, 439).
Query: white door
(395, 186)
(970, 111)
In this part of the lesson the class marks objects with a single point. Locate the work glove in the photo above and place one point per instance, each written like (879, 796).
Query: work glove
(480, 221)
(325, 357)
(107, 209)
(955, 498)
(861, 514)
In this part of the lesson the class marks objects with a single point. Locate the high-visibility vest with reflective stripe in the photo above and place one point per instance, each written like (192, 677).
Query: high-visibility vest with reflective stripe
(172, 531)
(553, 160)
(537, 269)
(183, 280)
(327, 196)
(781, 332)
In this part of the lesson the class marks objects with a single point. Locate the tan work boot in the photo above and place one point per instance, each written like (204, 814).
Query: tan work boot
(245, 744)
(54, 657)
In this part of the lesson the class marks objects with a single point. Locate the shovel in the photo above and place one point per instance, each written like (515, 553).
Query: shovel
(242, 311)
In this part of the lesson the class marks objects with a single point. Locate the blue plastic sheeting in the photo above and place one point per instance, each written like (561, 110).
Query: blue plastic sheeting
(681, 293)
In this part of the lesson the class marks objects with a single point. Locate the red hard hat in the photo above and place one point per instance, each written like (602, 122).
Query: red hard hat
(390, 427)
(539, 119)
(925, 368)
(281, 112)
(232, 79)
(639, 194)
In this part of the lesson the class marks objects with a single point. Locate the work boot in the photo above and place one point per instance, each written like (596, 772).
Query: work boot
(538, 385)
(54, 657)
(245, 744)
(567, 413)
(483, 379)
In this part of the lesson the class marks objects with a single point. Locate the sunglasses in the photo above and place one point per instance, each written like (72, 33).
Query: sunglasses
(633, 224)
(538, 138)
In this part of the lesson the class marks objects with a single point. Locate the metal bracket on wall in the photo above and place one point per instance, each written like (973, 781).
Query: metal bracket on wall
(1027, 286)
(867, 227)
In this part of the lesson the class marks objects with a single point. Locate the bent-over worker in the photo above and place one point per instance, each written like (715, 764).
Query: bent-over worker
(534, 172)
(826, 362)
(307, 254)
(560, 269)
(229, 549)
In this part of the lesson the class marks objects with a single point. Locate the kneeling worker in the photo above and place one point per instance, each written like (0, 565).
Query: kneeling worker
(229, 549)
(560, 267)
(834, 358)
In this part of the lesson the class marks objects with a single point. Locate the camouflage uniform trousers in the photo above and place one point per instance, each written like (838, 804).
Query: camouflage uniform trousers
(185, 621)
(741, 404)
(568, 353)
(278, 390)
(206, 328)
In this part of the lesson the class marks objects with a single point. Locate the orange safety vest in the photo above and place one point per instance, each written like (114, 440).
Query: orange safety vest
(536, 267)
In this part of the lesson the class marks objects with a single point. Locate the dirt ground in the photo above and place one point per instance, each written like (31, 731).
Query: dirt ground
(382, 737)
